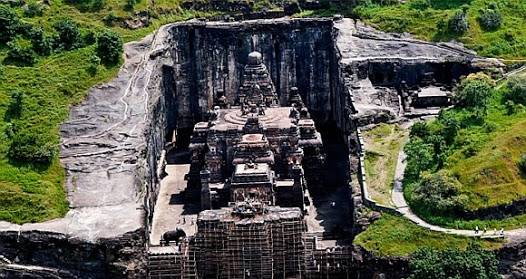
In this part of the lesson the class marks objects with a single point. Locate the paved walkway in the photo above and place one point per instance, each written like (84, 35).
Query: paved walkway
(400, 203)
(171, 211)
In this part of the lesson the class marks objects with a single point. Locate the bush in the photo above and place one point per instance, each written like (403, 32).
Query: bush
(68, 35)
(490, 19)
(130, 4)
(94, 62)
(20, 53)
(9, 24)
(29, 146)
(87, 5)
(522, 164)
(458, 24)
(419, 129)
(33, 9)
(420, 4)
(439, 193)
(110, 19)
(474, 91)
(41, 43)
(109, 47)
(516, 90)
(474, 262)
(16, 105)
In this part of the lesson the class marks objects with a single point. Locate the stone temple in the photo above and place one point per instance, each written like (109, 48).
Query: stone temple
(253, 166)
(254, 151)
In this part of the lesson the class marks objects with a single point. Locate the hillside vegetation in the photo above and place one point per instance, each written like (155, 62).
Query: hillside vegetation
(48, 60)
(396, 236)
(470, 157)
(495, 28)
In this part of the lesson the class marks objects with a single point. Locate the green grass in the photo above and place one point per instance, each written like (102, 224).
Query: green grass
(35, 193)
(489, 177)
(396, 236)
(382, 145)
(509, 41)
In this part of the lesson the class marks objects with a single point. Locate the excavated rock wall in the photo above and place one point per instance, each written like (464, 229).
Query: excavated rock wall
(37, 254)
(209, 58)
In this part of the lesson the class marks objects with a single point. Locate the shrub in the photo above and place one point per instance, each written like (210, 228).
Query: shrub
(16, 105)
(458, 23)
(474, 262)
(130, 4)
(474, 91)
(94, 62)
(490, 19)
(419, 129)
(516, 90)
(9, 24)
(439, 193)
(87, 5)
(109, 47)
(41, 43)
(68, 35)
(420, 4)
(20, 53)
(33, 9)
(29, 146)
(522, 164)
(110, 19)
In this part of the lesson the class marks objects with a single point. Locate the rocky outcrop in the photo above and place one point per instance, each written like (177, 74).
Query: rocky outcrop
(376, 64)
(512, 259)
(38, 254)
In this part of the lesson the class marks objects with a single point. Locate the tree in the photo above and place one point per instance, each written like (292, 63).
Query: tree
(30, 146)
(20, 53)
(516, 90)
(472, 263)
(41, 43)
(420, 157)
(439, 193)
(419, 129)
(9, 24)
(458, 23)
(33, 9)
(68, 35)
(490, 19)
(109, 47)
(474, 91)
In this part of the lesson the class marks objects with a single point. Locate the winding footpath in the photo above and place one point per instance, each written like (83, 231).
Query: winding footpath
(397, 196)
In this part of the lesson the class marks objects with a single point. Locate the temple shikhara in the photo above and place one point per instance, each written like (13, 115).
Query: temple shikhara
(255, 152)
(253, 166)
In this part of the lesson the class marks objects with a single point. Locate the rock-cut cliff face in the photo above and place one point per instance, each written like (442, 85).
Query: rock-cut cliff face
(209, 58)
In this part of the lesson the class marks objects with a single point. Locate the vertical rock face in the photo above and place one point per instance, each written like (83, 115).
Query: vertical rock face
(209, 60)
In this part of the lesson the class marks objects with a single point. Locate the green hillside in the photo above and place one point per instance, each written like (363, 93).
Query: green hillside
(428, 19)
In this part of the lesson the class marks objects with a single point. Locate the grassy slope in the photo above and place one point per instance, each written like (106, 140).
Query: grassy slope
(396, 236)
(31, 193)
(422, 23)
(382, 145)
(491, 176)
